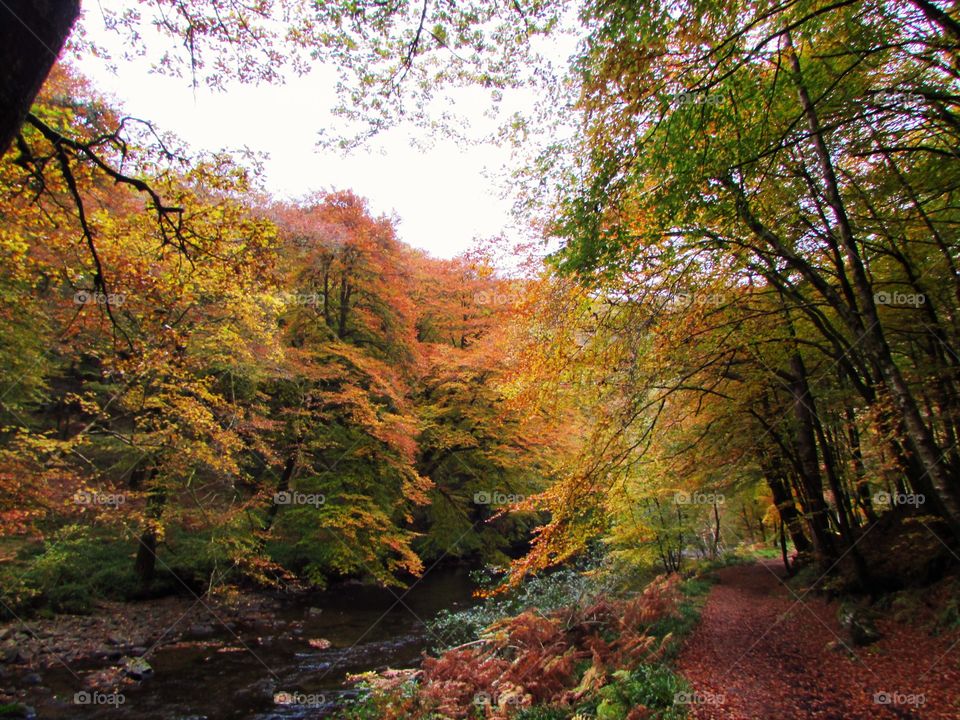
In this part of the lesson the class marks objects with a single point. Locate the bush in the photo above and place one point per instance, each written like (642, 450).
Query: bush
(566, 587)
(68, 572)
(681, 623)
(948, 619)
(654, 687)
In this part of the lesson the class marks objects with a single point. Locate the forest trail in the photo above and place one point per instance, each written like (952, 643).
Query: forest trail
(763, 651)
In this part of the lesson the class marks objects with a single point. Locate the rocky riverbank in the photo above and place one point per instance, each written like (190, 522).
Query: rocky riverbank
(112, 647)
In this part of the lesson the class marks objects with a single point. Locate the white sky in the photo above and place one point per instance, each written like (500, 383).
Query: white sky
(440, 193)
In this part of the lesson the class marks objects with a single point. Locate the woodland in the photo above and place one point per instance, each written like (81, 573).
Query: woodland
(714, 393)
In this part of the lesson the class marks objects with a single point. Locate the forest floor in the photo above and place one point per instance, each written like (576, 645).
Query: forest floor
(765, 650)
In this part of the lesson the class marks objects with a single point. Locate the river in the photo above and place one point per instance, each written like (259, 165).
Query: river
(277, 675)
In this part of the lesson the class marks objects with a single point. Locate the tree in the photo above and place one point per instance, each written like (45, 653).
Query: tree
(392, 58)
(133, 400)
(33, 36)
(710, 143)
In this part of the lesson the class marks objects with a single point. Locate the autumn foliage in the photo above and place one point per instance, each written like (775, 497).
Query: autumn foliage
(230, 388)
(535, 658)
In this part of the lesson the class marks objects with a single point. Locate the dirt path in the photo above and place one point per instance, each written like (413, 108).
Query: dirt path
(759, 654)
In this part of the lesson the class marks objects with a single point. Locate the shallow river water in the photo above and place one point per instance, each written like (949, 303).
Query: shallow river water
(279, 677)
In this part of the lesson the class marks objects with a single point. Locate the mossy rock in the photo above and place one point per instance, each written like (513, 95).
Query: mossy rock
(860, 623)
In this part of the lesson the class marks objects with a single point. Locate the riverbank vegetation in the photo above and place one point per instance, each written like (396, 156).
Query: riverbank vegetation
(566, 644)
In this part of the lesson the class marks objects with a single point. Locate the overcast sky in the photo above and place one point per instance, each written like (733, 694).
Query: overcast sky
(439, 193)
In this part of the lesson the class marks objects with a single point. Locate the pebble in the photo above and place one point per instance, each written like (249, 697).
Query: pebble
(31, 679)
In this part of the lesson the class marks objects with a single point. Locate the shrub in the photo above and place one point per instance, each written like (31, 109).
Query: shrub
(543, 664)
(566, 587)
(650, 687)
(68, 572)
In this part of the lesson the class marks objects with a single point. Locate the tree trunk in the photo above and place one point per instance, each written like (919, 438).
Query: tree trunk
(808, 463)
(787, 509)
(32, 33)
(747, 524)
(715, 548)
(868, 321)
(344, 310)
(145, 565)
(862, 492)
(283, 485)
(326, 298)
(783, 550)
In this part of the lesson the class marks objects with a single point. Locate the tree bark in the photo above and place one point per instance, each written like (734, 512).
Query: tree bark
(145, 565)
(787, 509)
(32, 34)
(715, 549)
(783, 550)
(808, 464)
(283, 485)
(862, 493)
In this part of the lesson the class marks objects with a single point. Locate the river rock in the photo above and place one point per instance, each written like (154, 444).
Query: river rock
(10, 653)
(263, 625)
(136, 668)
(31, 679)
(199, 632)
(260, 690)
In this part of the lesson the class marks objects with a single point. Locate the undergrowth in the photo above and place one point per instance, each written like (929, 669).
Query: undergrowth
(75, 567)
(565, 587)
(563, 646)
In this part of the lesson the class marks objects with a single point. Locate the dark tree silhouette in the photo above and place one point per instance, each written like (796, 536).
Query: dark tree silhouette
(32, 34)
